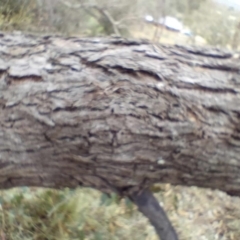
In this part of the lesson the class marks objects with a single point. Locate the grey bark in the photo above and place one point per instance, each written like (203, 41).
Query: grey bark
(117, 115)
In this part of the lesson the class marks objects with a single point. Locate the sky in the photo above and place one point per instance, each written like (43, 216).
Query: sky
(230, 3)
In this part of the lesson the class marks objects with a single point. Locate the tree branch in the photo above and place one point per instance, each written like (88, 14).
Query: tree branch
(102, 11)
(149, 206)
(118, 115)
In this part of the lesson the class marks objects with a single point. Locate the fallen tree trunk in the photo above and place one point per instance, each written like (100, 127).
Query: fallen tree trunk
(117, 115)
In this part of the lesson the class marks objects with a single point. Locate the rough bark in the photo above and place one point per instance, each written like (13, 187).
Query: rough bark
(117, 115)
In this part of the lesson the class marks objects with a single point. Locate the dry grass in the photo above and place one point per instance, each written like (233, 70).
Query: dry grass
(43, 214)
(202, 213)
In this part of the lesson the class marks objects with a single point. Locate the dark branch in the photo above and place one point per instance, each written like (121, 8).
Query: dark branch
(149, 206)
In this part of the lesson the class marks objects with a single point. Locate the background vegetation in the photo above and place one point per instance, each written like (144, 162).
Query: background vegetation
(217, 24)
(44, 214)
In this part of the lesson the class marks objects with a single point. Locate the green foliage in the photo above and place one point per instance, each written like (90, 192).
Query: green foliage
(86, 214)
(38, 214)
(14, 14)
(9, 8)
(183, 7)
(214, 23)
(205, 18)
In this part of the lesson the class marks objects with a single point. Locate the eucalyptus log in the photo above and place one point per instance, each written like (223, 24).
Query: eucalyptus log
(117, 115)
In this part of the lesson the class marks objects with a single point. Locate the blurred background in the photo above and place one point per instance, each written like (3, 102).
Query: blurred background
(201, 22)
(45, 214)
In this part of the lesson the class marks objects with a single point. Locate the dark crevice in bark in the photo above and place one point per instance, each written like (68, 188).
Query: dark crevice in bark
(118, 115)
(206, 52)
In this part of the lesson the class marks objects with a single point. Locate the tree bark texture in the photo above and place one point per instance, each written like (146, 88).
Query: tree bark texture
(117, 115)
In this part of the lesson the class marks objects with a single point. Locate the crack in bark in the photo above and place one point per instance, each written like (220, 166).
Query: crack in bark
(118, 115)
